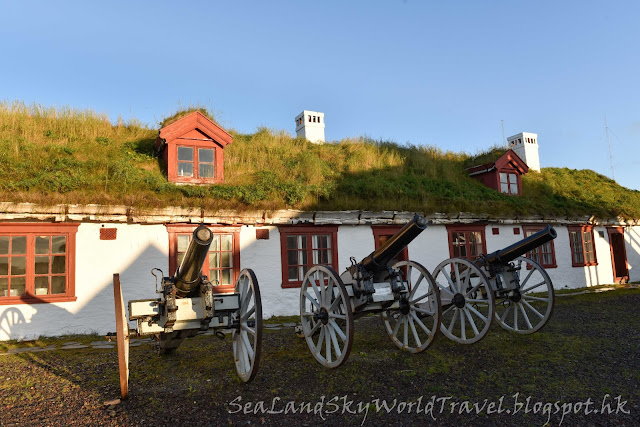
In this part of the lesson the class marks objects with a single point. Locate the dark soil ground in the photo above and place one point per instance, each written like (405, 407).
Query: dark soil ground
(588, 353)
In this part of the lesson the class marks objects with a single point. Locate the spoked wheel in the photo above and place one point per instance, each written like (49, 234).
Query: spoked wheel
(527, 309)
(247, 338)
(415, 322)
(326, 317)
(467, 300)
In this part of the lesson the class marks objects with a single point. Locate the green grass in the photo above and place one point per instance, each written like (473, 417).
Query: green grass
(62, 155)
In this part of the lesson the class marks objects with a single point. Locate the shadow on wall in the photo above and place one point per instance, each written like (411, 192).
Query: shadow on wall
(634, 253)
(96, 313)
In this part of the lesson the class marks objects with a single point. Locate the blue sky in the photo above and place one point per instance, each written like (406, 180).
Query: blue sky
(441, 73)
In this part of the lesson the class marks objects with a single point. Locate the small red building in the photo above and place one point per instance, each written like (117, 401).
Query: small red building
(502, 175)
(192, 148)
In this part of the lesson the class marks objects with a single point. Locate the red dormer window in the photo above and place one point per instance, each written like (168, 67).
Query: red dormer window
(193, 150)
(503, 175)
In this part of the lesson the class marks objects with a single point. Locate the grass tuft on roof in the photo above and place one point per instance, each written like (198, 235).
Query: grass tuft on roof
(65, 155)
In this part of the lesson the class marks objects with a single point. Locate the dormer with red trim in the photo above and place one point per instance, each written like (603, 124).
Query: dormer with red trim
(503, 175)
(192, 148)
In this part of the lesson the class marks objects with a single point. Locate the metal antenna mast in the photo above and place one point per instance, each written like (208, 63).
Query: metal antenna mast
(606, 126)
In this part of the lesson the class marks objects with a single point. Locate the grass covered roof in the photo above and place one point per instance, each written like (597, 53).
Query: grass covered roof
(62, 155)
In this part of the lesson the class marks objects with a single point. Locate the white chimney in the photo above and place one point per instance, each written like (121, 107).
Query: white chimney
(525, 145)
(310, 125)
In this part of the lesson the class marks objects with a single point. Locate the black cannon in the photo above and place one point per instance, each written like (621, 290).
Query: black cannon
(504, 285)
(405, 294)
(189, 304)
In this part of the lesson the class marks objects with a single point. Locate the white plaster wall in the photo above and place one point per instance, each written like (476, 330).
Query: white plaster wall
(137, 249)
(632, 239)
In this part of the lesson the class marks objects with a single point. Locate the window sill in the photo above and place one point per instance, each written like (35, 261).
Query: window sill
(31, 299)
(291, 285)
(585, 265)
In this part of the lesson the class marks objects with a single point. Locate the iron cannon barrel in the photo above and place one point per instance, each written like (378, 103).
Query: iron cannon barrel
(187, 276)
(379, 258)
(520, 248)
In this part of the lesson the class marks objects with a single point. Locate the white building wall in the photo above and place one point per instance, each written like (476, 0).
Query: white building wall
(139, 248)
(632, 240)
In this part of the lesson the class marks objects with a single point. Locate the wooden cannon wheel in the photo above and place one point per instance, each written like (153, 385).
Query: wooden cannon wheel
(247, 338)
(415, 323)
(529, 309)
(122, 337)
(326, 316)
(467, 300)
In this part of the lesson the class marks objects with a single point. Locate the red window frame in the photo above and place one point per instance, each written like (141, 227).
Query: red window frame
(538, 253)
(31, 230)
(175, 230)
(196, 163)
(466, 230)
(380, 235)
(309, 231)
(581, 247)
(510, 173)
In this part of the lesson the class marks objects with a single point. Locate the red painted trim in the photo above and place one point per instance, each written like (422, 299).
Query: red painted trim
(618, 277)
(32, 229)
(388, 230)
(196, 120)
(466, 228)
(309, 230)
(581, 229)
(535, 228)
(172, 163)
(175, 229)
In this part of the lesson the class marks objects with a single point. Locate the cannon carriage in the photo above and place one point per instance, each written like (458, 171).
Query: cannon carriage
(504, 286)
(404, 293)
(188, 304)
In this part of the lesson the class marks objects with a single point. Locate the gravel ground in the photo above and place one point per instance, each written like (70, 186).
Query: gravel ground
(589, 352)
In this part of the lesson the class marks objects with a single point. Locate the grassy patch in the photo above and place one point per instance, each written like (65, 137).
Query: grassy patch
(62, 155)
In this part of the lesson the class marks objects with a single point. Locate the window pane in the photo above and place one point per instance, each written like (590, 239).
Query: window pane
(302, 242)
(514, 188)
(205, 170)
(4, 266)
(18, 286)
(215, 243)
(19, 245)
(503, 178)
(475, 237)
(42, 285)
(504, 188)
(293, 273)
(185, 154)
(180, 257)
(226, 259)
(58, 244)
(4, 246)
(185, 169)
(214, 260)
(458, 239)
(292, 257)
(227, 241)
(18, 265)
(183, 243)
(205, 155)
(214, 276)
(42, 244)
(303, 258)
(4, 287)
(42, 265)
(292, 242)
(512, 178)
(58, 264)
(57, 284)
(226, 277)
